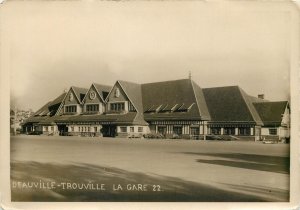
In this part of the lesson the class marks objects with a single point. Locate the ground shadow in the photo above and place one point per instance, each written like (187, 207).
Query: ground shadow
(275, 164)
(172, 189)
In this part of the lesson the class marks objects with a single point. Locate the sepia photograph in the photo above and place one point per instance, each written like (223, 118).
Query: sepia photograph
(150, 101)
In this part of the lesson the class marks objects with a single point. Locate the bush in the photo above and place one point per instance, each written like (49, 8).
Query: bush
(153, 136)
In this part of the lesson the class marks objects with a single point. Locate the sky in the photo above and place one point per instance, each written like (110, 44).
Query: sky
(55, 45)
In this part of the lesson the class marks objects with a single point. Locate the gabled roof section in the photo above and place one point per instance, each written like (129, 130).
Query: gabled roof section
(180, 99)
(103, 90)
(134, 94)
(230, 103)
(58, 100)
(200, 99)
(79, 92)
(43, 111)
(249, 101)
(271, 112)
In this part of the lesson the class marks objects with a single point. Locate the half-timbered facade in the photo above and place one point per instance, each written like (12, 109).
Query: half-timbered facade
(178, 108)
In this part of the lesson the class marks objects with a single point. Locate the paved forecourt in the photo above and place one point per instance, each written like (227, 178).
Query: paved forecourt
(147, 170)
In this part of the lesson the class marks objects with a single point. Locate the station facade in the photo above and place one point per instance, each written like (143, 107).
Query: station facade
(178, 108)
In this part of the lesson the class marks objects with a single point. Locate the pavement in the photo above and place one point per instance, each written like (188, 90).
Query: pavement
(148, 170)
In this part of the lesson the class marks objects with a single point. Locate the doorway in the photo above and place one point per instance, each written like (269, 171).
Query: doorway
(109, 130)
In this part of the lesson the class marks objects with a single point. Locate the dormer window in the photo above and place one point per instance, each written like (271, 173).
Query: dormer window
(70, 109)
(117, 93)
(92, 108)
(117, 106)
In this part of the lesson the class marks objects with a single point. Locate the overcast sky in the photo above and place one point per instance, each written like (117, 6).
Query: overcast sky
(53, 47)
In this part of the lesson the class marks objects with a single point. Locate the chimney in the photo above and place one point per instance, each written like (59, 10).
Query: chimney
(261, 96)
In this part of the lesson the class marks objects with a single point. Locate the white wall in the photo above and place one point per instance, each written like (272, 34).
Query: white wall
(146, 129)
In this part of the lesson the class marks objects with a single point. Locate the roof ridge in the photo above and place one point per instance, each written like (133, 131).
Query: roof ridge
(229, 86)
(165, 81)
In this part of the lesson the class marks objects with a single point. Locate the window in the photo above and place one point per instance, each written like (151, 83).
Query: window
(195, 131)
(92, 108)
(52, 128)
(177, 130)
(131, 129)
(46, 128)
(244, 131)
(123, 129)
(162, 129)
(117, 106)
(89, 129)
(140, 129)
(95, 129)
(72, 129)
(229, 131)
(216, 131)
(70, 109)
(272, 131)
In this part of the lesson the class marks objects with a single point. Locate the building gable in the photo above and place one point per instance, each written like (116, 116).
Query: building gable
(71, 98)
(117, 94)
(228, 104)
(92, 96)
(272, 113)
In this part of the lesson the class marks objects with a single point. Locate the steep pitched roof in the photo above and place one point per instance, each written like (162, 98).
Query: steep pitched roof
(229, 104)
(103, 90)
(271, 112)
(79, 92)
(44, 110)
(177, 99)
(58, 100)
(201, 102)
(134, 93)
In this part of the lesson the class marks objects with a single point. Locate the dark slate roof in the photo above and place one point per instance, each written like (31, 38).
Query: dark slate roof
(201, 102)
(80, 92)
(174, 100)
(134, 93)
(58, 100)
(35, 119)
(103, 90)
(271, 112)
(230, 104)
(43, 111)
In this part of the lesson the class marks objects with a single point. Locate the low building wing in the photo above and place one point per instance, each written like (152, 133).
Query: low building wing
(271, 113)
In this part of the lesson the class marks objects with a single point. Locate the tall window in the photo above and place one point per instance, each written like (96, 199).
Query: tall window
(71, 109)
(92, 108)
(140, 129)
(177, 130)
(117, 106)
(95, 129)
(272, 131)
(195, 131)
(131, 129)
(123, 129)
(229, 131)
(244, 131)
(216, 131)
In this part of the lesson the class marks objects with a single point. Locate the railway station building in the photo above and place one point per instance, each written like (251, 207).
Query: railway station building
(178, 108)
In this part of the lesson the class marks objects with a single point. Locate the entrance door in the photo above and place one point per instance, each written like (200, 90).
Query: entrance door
(162, 130)
(63, 130)
(195, 131)
(109, 130)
